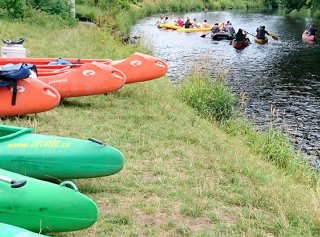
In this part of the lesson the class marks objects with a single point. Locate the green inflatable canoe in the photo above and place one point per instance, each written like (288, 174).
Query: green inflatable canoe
(13, 231)
(53, 158)
(42, 206)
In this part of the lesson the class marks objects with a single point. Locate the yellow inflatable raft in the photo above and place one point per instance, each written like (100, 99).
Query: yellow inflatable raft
(194, 29)
(170, 26)
(182, 29)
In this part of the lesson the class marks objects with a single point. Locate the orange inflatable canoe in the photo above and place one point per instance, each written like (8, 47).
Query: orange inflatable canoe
(87, 79)
(33, 96)
(137, 68)
(308, 38)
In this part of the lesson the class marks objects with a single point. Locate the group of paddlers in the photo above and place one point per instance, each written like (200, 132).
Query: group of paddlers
(186, 24)
(225, 27)
(240, 36)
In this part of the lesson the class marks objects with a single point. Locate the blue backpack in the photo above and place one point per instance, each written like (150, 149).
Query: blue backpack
(10, 75)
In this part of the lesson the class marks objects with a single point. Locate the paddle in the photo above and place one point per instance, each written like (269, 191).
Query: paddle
(14, 183)
(246, 32)
(204, 35)
(274, 37)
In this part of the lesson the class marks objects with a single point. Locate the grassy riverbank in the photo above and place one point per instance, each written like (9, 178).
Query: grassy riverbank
(184, 174)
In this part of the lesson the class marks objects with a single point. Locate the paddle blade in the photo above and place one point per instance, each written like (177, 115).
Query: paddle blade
(273, 36)
(203, 36)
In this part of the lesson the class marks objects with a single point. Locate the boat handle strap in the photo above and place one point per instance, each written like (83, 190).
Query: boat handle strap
(69, 183)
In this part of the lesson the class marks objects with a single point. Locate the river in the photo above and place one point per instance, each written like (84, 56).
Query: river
(283, 74)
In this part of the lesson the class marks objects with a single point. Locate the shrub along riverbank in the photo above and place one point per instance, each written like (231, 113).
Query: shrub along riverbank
(185, 173)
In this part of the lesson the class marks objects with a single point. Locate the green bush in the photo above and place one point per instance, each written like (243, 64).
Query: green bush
(56, 7)
(14, 8)
(316, 14)
(86, 13)
(163, 7)
(25, 8)
(196, 6)
(177, 6)
(116, 5)
(47, 20)
(213, 5)
(224, 4)
(210, 97)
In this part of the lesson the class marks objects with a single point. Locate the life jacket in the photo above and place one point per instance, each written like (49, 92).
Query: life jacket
(11, 74)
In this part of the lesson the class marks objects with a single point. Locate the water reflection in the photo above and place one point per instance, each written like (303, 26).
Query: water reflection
(284, 74)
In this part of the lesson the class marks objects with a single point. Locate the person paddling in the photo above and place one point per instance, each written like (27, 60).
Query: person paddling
(187, 24)
(195, 23)
(161, 20)
(312, 30)
(179, 21)
(240, 37)
(215, 28)
(261, 32)
(229, 28)
(205, 24)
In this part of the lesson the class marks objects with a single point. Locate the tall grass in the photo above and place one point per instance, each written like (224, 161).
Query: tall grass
(209, 96)
(213, 100)
(316, 14)
(274, 145)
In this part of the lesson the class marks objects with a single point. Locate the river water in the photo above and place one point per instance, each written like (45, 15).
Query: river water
(283, 75)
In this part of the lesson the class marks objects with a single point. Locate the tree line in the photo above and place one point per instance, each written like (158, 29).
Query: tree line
(290, 5)
(19, 8)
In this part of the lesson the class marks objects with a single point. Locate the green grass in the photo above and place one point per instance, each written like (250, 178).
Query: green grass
(213, 100)
(209, 96)
(184, 174)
